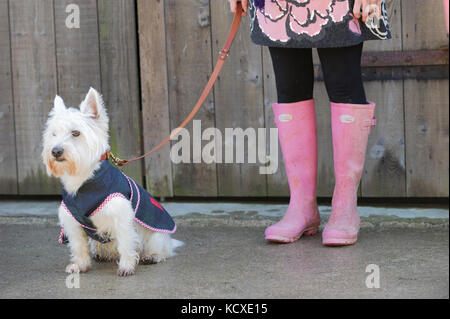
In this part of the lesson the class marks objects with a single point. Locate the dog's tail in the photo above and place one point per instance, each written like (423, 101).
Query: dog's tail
(176, 243)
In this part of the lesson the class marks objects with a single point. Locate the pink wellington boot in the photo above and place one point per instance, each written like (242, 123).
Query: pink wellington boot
(351, 125)
(296, 124)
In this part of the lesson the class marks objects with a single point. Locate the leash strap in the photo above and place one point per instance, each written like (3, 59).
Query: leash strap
(222, 58)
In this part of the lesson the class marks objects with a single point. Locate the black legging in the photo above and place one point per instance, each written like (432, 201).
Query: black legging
(294, 74)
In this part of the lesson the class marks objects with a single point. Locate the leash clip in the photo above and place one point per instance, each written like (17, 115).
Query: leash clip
(223, 55)
(116, 160)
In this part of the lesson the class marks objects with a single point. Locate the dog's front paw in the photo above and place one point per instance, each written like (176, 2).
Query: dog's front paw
(78, 265)
(123, 272)
(75, 268)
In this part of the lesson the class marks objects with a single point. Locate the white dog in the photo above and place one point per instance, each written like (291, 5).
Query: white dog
(103, 211)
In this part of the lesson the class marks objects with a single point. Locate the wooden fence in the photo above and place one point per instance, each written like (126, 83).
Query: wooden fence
(151, 59)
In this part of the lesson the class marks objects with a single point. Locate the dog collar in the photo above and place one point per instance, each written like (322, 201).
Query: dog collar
(105, 156)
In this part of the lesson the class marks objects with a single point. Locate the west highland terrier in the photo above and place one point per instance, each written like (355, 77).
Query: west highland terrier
(103, 212)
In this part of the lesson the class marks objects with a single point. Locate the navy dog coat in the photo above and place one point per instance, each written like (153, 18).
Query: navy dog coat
(109, 182)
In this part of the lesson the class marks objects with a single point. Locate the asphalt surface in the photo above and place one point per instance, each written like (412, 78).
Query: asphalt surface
(227, 257)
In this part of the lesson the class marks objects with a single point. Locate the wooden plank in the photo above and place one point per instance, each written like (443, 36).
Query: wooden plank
(189, 66)
(277, 184)
(405, 58)
(154, 94)
(427, 136)
(423, 25)
(384, 171)
(120, 80)
(8, 164)
(239, 101)
(426, 105)
(325, 183)
(34, 81)
(77, 52)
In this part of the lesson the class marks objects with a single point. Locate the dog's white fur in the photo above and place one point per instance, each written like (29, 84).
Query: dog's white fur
(131, 242)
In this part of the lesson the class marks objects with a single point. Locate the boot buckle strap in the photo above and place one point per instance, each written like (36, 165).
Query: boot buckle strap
(371, 122)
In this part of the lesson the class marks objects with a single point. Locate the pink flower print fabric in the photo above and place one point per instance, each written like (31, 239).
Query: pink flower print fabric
(308, 17)
(312, 23)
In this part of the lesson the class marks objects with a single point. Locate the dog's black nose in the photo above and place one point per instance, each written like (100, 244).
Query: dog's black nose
(57, 151)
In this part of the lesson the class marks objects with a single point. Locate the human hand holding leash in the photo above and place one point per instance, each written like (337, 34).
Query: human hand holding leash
(367, 8)
(233, 5)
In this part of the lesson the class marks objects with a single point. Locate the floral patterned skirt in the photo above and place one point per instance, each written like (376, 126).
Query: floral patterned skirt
(313, 24)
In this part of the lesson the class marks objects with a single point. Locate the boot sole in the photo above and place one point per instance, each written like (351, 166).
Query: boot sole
(286, 240)
(339, 241)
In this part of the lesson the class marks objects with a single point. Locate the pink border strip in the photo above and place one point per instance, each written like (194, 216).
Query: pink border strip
(61, 234)
(68, 211)
(106, 201)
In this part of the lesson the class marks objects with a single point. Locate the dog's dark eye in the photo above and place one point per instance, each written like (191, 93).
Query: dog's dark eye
(75, 133)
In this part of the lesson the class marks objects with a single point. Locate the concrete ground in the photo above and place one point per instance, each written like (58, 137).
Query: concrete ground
(226, 256)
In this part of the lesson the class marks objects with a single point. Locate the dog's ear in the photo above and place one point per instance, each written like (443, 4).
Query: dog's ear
(93, 104)
(58, 105)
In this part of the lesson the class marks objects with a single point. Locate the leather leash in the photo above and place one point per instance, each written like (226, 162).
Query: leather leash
(222, 57)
